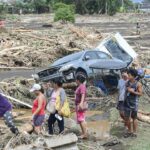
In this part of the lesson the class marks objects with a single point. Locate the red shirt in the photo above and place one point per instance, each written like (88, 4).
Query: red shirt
(35, 106)
(79, 91)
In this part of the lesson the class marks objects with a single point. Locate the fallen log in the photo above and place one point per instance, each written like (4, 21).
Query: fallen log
(132, 37)
(17, 68)
(143, 118)
(144, 113)
(39, 38)
(90, 98)
(13, 48)
(16, 100)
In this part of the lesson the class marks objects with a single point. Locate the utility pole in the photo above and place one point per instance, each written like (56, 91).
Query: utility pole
(122, 3)
(106, 7)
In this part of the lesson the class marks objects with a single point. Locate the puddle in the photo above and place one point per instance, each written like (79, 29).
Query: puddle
(98, 124)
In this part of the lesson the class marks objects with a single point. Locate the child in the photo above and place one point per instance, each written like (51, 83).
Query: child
(133, 91)
(122, 89)
(80, 99)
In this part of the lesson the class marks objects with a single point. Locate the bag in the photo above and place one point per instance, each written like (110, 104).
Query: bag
(51, 107)
(84, 107)
(65, 109)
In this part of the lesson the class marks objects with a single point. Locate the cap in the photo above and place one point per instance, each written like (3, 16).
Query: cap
(35, 87)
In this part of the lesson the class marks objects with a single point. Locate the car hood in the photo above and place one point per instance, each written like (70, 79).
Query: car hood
(112, 64)
(118, 47)
(67, 59)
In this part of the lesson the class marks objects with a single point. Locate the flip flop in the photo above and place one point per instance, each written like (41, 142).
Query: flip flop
(83, 137)
(134, 135)
(127, 135)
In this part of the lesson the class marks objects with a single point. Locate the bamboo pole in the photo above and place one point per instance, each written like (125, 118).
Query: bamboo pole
(16, 100)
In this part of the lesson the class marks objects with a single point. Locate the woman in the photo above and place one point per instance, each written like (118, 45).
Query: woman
(80, 96)
(38, 109)
(57, 91)
(5, 112)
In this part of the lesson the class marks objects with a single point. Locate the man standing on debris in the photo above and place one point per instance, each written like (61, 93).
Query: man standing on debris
(81, 104)
(138, 28)
(133, 91)
(5, 112)
(38, 109)
(122, 89)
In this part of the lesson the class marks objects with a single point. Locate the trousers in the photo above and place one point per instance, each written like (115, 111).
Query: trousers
(8, 118)
(52, 119)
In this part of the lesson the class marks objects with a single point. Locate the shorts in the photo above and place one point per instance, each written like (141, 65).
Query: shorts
(120, 106)
(80, 116)
(38, 120)
(130, 113)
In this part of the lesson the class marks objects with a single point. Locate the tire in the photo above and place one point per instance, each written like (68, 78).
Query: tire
(81, 73)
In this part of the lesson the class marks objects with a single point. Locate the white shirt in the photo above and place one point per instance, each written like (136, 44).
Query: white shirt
(122, 89)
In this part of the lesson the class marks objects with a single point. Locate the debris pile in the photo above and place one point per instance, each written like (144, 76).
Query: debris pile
(36, 48)
(17, 88)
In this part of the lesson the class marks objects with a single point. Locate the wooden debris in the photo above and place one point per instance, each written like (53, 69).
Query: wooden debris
(16, 100)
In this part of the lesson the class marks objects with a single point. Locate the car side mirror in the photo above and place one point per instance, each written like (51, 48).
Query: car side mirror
(87, 58)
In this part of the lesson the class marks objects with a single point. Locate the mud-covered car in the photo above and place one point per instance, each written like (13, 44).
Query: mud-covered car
(78, 63)
(113, 53)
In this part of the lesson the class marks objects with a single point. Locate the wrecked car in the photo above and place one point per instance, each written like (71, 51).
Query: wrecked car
(114, 53)
(70, 66)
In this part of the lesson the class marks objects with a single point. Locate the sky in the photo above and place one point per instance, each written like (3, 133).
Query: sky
(137, 1)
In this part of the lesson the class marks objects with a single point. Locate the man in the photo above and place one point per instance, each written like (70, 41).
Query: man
(122, 89)
(5, 112)
(133, 91)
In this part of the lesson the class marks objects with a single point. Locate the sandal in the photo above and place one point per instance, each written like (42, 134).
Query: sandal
(134, 135)
(83, 137)
(127, 135)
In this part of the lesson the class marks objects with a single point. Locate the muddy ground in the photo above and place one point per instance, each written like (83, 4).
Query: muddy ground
(99, 25)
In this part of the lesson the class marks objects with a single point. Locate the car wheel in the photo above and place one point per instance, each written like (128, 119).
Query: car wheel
(81, 73)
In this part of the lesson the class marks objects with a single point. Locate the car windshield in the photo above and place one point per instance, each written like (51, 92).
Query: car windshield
(116, 51)
(72, 57)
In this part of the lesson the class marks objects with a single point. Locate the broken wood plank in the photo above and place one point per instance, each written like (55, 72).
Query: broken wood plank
(132, 37)
(56, 141)
(39, 38)
(13, 48)
(16, 68)
(16, 100)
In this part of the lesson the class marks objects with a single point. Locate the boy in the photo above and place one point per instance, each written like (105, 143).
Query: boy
(122, 89)
(133, 91)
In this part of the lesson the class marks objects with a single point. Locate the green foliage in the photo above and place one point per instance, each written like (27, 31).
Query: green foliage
(64, 12)
(79, 6)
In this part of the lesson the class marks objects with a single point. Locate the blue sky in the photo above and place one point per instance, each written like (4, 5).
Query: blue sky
(137, 1)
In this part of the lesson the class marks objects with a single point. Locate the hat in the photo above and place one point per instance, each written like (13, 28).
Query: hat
(35, 87)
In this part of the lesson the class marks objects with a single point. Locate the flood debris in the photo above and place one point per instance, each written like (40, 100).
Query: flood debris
(19, 49)
(28, 142)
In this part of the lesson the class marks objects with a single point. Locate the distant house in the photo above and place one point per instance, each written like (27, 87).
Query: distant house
(145, 6)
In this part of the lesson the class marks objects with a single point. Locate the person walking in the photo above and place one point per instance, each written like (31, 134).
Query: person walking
(5, 112)
(55, 115)
(81, 104)
(133, 91)
(38, 109)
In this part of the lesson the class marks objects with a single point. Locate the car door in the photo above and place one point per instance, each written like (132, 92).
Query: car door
(92, 58)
